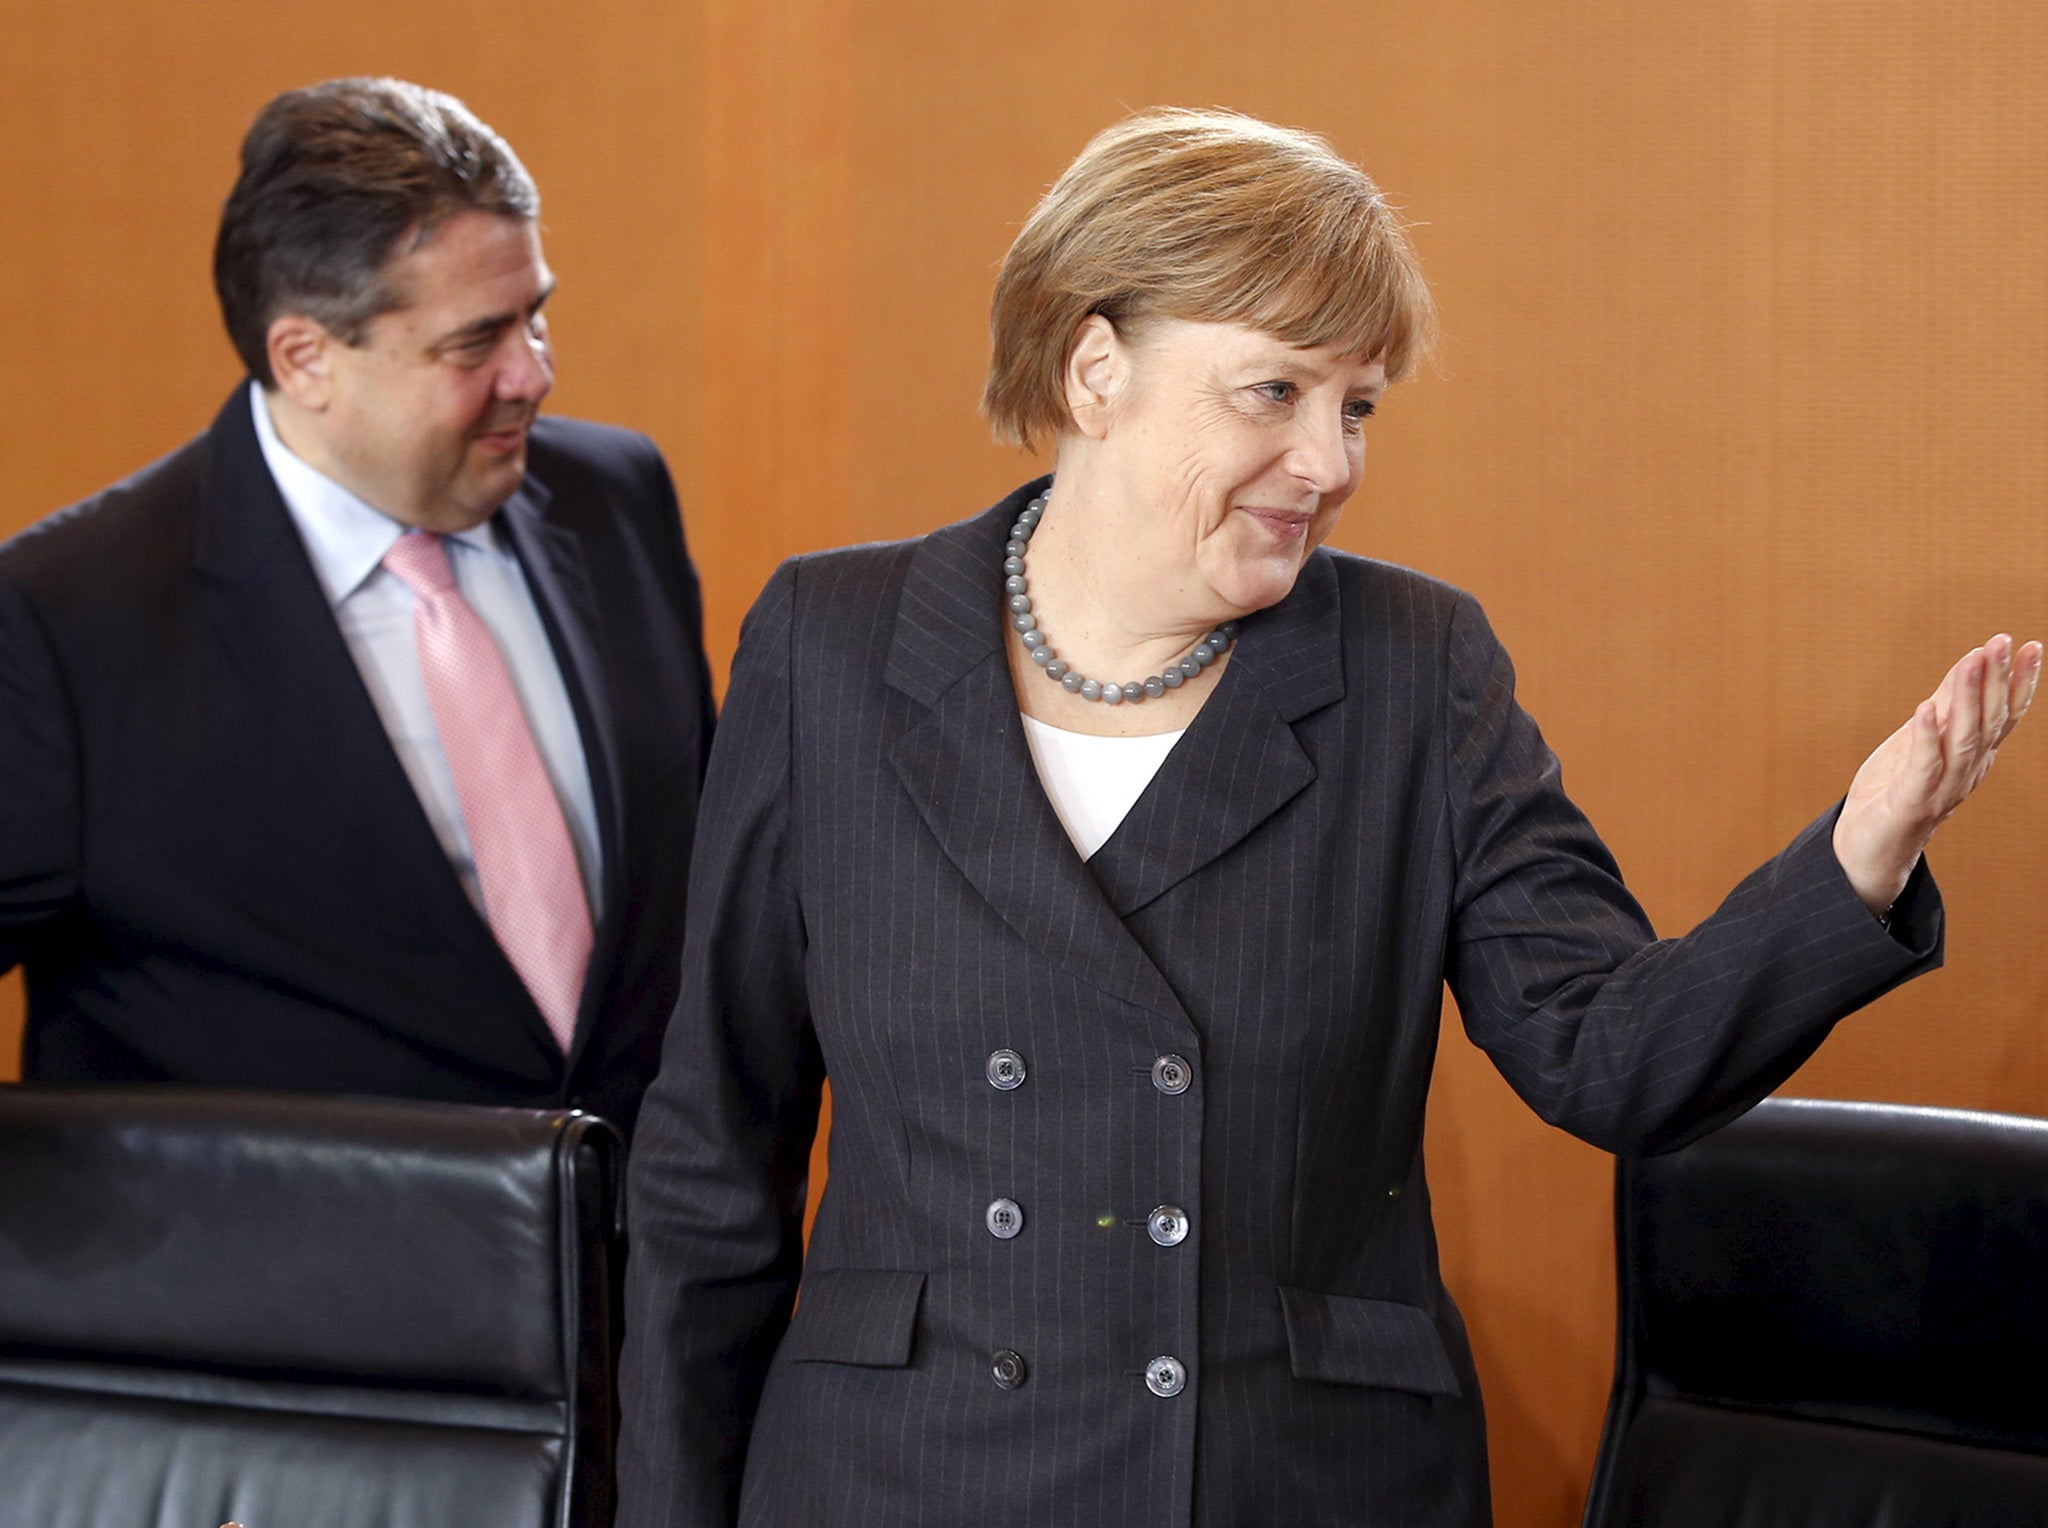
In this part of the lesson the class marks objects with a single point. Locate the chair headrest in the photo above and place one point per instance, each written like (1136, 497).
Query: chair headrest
(1867, 1262)
(377, 1240)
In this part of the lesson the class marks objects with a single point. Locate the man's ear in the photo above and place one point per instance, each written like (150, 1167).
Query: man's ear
(1098, 365)
(301, 359)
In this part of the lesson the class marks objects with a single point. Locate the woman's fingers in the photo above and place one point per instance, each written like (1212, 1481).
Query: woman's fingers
(1963, 737)
(1997, 691)
(2026, 678)
(1977, 706)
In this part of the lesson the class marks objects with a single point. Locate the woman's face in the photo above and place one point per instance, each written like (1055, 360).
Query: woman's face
(1235, 448)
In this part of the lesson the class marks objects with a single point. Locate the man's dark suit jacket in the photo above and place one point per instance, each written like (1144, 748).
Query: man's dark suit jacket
(212, 863)
(881, 892)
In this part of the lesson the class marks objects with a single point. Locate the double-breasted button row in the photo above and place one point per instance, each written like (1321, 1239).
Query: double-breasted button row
(1172, 1074)
(1005, 1070)
(1165, 1376)
(1167, 1224)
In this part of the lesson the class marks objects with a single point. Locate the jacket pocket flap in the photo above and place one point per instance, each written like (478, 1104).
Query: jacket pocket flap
(1345, 1340)
(855, 1316)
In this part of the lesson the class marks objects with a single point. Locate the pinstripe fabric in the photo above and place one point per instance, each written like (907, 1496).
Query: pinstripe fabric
(882, 892)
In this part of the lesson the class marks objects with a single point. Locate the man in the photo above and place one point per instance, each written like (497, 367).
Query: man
(355, 746)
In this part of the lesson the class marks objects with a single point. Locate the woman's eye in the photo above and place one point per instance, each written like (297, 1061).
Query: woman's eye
(1358, 410)
(1275, 392)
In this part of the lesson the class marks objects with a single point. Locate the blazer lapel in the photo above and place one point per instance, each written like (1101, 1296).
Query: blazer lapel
(552, 558)
(1240, 761)
(273, 623)
(969, 771)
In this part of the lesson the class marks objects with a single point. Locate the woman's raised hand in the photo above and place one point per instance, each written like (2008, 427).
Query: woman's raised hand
(1923, 771)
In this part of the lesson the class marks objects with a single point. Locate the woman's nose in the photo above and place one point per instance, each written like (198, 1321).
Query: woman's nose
(1322, 455)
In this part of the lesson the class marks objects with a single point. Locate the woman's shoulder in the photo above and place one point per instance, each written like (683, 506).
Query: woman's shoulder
(857, 573)
(905, 607)
(1386, 593)
(954, 563)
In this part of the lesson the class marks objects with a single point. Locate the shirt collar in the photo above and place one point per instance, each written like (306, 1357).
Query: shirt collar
(346, 537)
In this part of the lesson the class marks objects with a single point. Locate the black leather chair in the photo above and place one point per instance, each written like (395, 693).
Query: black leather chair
(1833, 1314)
(302, 1312)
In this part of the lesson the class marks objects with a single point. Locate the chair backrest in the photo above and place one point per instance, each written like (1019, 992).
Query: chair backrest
(296, 1312)
(1832, 1314)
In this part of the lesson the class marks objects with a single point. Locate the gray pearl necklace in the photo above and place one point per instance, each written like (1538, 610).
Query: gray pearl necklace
(1206, 651)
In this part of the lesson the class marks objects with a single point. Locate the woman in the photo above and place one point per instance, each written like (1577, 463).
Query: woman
(1126, 1221)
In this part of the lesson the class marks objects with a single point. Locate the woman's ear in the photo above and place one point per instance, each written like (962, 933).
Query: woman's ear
(1098, 364)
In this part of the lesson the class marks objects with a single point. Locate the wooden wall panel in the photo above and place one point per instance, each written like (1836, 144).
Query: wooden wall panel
(1737, 429)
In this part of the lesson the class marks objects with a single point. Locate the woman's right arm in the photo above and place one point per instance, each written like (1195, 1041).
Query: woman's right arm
(718, 1175)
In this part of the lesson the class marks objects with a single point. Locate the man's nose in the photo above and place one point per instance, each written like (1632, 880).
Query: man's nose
(528, 368)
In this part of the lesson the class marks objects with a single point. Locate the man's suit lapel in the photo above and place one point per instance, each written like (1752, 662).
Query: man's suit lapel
(552, 558)
(1240, 761)
(967, 767)
(274, 626)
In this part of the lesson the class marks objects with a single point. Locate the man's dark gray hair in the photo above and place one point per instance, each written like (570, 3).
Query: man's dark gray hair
(336, 180)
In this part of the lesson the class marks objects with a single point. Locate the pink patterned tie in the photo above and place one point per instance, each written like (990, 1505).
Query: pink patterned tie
(525, 863)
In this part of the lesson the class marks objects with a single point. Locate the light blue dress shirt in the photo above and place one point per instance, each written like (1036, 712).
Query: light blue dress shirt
(346, 539)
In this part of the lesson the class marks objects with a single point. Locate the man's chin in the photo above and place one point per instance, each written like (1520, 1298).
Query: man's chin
(475, 499)
(495, 476)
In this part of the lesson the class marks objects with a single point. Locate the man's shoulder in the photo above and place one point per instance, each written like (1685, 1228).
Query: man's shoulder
(145, 519)
(560, 447)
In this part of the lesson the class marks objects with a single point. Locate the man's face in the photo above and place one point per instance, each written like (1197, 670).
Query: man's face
(426, 418)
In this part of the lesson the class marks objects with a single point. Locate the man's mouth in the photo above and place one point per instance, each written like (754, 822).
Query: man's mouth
(506, 438)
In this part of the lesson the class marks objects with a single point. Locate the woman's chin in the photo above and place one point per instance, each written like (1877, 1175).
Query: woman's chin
(1254, 583)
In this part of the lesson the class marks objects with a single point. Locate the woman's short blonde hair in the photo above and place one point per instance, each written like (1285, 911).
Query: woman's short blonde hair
(1209, 216)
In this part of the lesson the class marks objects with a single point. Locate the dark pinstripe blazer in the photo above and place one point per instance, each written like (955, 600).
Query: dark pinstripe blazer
(882, 893)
